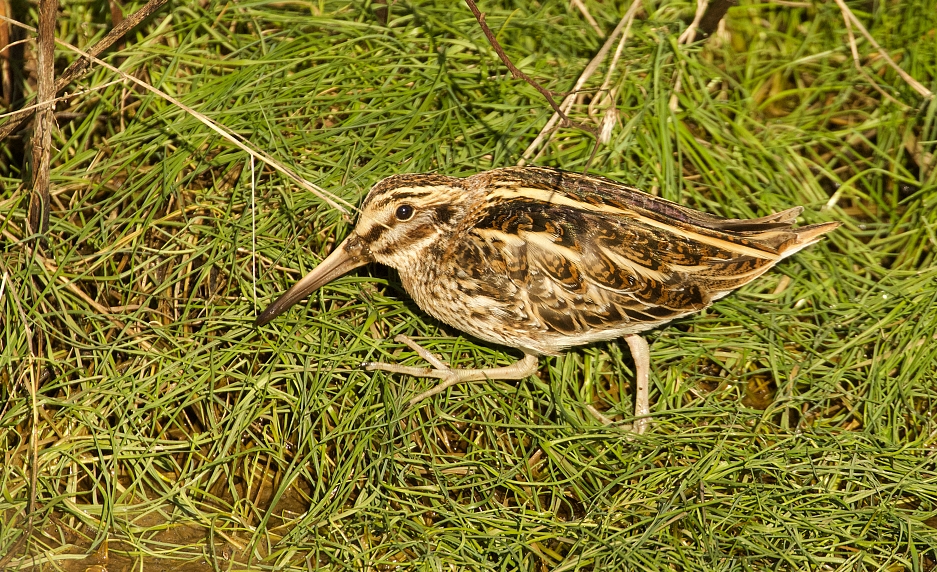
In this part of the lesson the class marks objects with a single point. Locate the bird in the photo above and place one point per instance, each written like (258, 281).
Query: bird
(543, 260)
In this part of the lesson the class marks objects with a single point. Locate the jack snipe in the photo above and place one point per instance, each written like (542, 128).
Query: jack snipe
(541, 260)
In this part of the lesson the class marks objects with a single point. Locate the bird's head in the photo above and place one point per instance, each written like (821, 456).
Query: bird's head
(401, 220)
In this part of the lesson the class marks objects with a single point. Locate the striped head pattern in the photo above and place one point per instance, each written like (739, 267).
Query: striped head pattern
(404, 215)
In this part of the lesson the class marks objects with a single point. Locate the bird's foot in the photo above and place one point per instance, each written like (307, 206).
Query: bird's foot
(520, 369)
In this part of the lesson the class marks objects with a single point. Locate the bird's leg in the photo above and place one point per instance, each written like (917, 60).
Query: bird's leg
(522, 368)
(642, 365)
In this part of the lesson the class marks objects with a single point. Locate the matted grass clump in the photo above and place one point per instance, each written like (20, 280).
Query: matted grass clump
(147, 425)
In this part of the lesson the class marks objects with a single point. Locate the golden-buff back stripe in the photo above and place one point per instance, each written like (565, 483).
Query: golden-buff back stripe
(557, 198)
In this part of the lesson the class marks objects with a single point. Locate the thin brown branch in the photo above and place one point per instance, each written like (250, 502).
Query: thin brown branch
(82, 65)
(42, 133)
(518, 74)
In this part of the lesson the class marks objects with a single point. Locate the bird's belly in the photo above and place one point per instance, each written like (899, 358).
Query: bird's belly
(513, 320)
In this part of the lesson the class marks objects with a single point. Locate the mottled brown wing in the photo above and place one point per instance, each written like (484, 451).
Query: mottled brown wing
(574, 269)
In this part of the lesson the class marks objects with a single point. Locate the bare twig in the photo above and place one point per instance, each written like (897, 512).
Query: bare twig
(38, 218)
(848, 16)
(518, 74)
(82, 65)
(42, 133)
(547, 131)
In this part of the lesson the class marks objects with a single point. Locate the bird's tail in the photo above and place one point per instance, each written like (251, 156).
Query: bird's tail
(807, 235)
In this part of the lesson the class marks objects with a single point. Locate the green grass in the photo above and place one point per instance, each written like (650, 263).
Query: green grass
(793, 423)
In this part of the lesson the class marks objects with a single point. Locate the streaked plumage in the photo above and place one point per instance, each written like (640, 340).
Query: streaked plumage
(543, 260)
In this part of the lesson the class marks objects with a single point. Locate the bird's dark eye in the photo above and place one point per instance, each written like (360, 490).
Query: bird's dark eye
(404, 212)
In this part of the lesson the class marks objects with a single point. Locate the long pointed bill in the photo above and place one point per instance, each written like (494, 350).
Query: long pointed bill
(348, 256)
